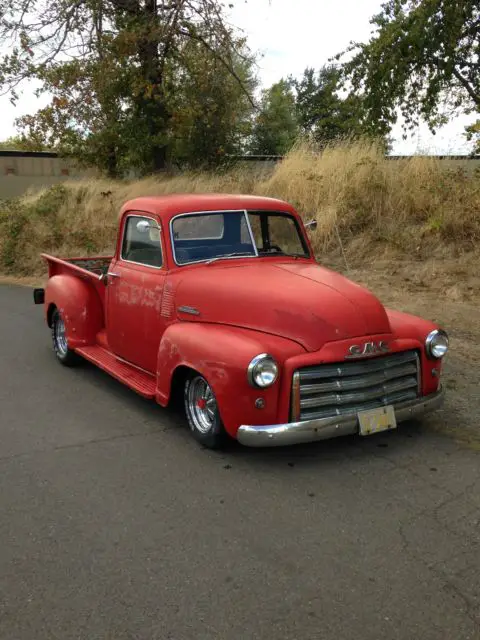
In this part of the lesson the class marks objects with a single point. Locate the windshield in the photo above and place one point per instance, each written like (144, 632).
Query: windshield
(219, 235)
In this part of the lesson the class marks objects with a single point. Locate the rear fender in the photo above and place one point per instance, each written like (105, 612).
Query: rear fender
(80, 306)
(222, 354)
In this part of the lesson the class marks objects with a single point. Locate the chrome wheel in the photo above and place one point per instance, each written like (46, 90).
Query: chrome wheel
(201, 405)
(59, 336)
(64, 354)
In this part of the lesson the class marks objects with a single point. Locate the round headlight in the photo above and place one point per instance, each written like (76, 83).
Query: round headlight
(262, 371)
(436, 344)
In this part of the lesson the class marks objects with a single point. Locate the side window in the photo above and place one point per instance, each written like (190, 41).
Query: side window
(141, 242)
(284, 234)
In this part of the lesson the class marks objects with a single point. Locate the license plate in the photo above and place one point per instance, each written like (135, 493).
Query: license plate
(377, 420)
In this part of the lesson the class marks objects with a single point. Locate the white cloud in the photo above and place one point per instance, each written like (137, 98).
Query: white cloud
(291, 35)
(300, 33)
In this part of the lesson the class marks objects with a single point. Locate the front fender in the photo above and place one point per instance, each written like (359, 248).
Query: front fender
(405, 325)
(80, 306)
(222, 355)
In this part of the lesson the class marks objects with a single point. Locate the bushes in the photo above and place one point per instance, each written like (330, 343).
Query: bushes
(13, 220)
(412, 207)
(53, 222)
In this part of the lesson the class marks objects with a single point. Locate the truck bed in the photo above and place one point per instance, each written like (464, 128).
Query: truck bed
(89, 269)
(92, 267)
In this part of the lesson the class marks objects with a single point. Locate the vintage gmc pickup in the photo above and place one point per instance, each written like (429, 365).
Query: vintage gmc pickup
(220, 298)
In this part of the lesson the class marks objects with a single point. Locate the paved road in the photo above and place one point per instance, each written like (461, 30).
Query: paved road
(115, 525)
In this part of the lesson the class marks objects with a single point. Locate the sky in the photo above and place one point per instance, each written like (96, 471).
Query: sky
(291, 35)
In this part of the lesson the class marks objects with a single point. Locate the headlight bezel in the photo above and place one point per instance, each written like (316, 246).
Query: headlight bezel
(430, 344)
(252, 370)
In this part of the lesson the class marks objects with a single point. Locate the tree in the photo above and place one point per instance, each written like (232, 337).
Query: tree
(473, 134)
(311, 106)
(23, 143)
(275, 127)
(211, 113)
(111, 65)
(88, 117)
(321, 110)
(422, 59)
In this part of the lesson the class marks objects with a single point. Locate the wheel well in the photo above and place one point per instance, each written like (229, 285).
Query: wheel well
(180, 374)
(50, 311)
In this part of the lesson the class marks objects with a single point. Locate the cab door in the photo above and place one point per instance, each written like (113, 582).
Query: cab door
(136, 281)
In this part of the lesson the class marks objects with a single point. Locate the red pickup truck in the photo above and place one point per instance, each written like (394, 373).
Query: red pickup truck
(220, 298)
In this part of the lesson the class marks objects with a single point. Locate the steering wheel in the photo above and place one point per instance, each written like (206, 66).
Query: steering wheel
(275, 247)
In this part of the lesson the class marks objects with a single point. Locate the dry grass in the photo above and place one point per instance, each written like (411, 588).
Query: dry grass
(409, 206)
(374, 208)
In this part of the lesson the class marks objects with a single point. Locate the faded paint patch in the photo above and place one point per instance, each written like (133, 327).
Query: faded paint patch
(140, 295)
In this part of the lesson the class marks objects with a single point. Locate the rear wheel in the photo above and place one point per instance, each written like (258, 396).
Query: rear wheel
(202, 412)
(59, 339)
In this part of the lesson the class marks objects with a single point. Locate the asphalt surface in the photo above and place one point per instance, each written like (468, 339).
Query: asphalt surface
(114, 524)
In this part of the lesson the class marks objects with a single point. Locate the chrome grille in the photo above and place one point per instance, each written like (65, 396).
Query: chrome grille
(349, 387)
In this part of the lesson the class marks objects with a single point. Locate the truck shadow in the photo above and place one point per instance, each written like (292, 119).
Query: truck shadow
(345, 447)
(158, 419)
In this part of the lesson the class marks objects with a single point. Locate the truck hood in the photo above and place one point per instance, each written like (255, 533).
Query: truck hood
(300, 301)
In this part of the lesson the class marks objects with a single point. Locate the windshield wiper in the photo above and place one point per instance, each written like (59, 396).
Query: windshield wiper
(230, 255)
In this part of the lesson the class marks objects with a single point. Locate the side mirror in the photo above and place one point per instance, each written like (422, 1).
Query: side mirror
(143, 226)
(313, 224)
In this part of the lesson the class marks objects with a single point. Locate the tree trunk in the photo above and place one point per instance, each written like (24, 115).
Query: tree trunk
(151, 105)
(112, 163)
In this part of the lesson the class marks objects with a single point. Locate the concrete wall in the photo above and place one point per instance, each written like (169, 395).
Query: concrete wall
(21, 172)
(470, 165)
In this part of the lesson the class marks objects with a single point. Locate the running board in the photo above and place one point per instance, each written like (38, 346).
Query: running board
(139, 381)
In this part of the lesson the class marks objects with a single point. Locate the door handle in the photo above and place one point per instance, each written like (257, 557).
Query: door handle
(113, 275)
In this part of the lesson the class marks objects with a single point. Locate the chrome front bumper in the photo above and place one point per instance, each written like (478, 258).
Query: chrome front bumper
(277, 435)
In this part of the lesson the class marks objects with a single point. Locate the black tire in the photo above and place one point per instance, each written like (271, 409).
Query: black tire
(64, 355)
(204, 422)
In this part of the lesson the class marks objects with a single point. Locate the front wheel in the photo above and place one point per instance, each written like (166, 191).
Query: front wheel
(60, 345)
(202, 413)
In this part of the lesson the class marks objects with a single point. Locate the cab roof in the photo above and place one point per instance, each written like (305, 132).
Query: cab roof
(171, 205)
